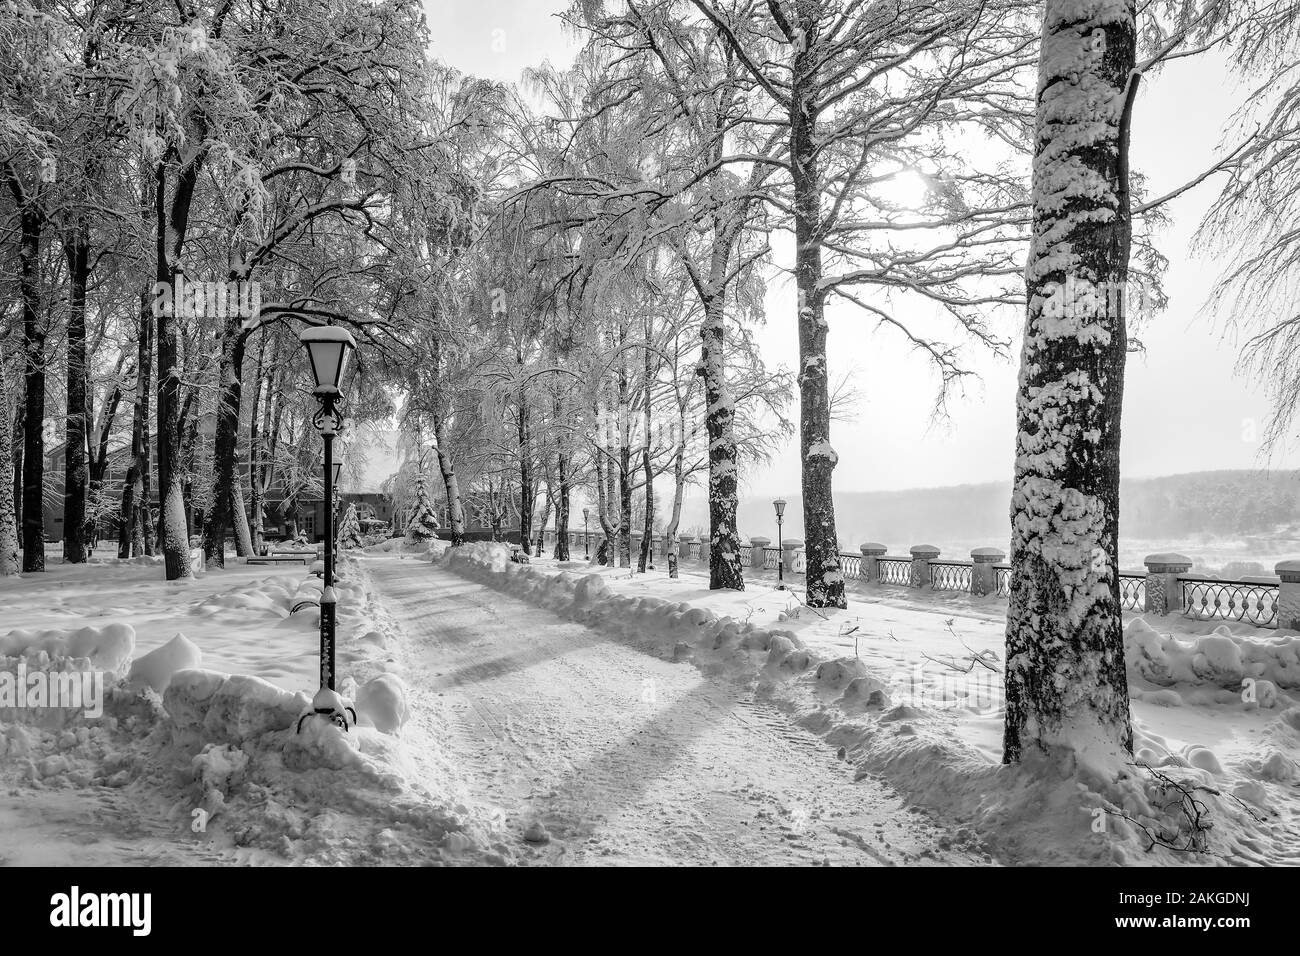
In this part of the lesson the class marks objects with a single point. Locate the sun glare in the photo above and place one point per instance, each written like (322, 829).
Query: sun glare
(906, 189)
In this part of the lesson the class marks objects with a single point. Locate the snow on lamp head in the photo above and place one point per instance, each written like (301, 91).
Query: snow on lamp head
(328, 347)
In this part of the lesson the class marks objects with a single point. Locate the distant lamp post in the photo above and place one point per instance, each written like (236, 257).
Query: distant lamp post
(328, 348)
(586, 546)
(333, 513)
(779, 505)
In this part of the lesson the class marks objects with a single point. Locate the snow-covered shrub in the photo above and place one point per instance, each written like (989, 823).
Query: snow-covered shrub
(350, 529)
(423, 525)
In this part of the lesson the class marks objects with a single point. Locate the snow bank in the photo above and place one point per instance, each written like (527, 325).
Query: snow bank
(107, 648)
(192, 743)
(714, 643)
(1220, 658)
(429, 550)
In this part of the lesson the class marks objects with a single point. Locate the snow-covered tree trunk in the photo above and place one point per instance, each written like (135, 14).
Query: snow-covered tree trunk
(33, 535)
(173, 531)
(526, 501)
(8, 525)
(719, 418)
(679, 491)
(539, 540)
(561, 552)
(76, 475)
(441, 439)
(624, 462)
(823, 578)
(646, 558)
(1066, 687)
(230, 378)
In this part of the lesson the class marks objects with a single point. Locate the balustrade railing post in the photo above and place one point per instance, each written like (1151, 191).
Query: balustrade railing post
(1164, 592)
(872, 552)
(758, 551)
(788, 548)
(922, 555)
(1288, 595)
(983, 573)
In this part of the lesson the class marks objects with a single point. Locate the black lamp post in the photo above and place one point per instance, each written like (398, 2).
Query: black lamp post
(328, 348)
(586, 545)
(779, 505)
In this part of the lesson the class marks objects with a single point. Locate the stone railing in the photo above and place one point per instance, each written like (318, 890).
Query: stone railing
(1166, 587)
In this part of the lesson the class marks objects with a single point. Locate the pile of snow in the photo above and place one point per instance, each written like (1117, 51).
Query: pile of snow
(1220, 658)
(185, 740)
(428, 550)
(381, 702)
(156, 669)
(106, 648)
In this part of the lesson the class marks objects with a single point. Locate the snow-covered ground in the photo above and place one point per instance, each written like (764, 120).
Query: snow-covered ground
(909, 683)
(196, 757)
(560, 713)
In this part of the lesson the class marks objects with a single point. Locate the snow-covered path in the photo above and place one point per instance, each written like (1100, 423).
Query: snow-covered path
(622, 756)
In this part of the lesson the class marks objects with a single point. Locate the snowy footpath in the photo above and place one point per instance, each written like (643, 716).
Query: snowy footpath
(600, 750)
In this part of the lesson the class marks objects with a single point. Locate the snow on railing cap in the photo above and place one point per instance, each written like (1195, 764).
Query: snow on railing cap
(788, 543)
(987, 555)
(873, 547)
(327, 333)
(1288, 570)
(926, 550)
(1167, 559)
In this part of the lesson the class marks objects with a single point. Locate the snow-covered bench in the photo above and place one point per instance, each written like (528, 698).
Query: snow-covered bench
(300, 557)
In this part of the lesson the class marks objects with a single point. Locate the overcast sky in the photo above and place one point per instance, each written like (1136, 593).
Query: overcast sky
(1185, 407)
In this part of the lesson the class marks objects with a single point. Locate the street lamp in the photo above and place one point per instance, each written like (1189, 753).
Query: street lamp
(586, 546)
(779, 505)
(328, 348)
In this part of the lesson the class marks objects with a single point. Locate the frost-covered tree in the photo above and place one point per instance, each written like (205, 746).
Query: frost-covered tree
(423, 524)
(350, 528)
(1066, 686)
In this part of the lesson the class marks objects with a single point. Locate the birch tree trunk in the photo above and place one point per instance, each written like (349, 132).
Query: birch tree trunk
(172, 224)
(1066, 687)
(441, 438)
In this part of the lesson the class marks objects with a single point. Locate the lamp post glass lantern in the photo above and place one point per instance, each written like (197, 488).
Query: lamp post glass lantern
(779, 505)
(328, 348)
